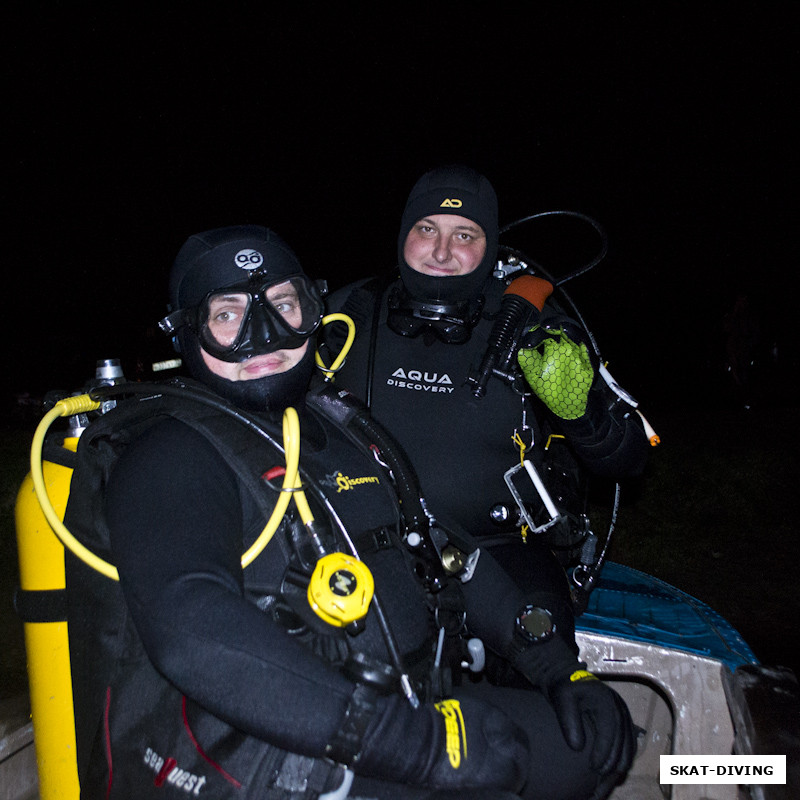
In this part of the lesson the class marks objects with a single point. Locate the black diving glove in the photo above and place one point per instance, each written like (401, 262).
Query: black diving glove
(581, 701)
(456, 743)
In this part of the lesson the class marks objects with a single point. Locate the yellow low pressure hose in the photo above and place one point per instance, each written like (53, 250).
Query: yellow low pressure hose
(83, 403)
(351, 335)
(291, 487)
(64, 408)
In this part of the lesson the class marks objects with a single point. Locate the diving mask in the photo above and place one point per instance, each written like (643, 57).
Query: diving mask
(237, 322)
(451, 323)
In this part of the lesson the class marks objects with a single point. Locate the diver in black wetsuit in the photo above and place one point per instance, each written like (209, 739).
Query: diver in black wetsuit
(222, 681)
(422, 333)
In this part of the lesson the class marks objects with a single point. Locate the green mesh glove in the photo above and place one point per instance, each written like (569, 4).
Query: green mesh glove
(558, 370)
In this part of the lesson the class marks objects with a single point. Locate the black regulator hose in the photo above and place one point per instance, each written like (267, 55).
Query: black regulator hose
(601, 254)
(407, 487)
(176, 387)
(558, 283)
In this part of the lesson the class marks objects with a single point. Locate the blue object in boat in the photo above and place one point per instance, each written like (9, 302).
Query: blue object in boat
(634, 605)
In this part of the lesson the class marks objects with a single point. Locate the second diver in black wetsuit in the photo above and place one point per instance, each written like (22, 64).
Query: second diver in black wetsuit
(423, 332)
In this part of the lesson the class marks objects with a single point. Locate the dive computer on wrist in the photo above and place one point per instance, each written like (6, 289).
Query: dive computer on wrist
(534, 625)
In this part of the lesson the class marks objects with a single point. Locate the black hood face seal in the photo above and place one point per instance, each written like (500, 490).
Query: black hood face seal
(448, 306)
(437, 289)
(270, 394)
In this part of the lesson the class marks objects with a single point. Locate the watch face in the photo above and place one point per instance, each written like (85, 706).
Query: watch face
(535, 623)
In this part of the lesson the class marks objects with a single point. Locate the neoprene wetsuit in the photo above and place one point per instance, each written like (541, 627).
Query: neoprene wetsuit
(462, 445)
(204, 676)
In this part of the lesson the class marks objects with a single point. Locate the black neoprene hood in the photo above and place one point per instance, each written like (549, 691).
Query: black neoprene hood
(463, 192)
(225, 257)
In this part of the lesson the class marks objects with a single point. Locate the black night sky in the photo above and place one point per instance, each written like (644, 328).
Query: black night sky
(132, 129)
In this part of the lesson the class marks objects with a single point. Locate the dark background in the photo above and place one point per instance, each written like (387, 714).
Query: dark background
(127, 130)
(132, 129)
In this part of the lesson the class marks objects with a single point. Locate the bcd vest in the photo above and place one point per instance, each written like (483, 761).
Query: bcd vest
(151, 716)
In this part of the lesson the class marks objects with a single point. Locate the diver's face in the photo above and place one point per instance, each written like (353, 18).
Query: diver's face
(255, 366)
(227, 312)
(444, 245)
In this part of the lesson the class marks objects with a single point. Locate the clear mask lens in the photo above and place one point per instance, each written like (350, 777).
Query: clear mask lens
(225, 315)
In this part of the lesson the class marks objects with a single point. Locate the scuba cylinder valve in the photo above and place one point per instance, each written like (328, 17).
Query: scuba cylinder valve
(108, 372)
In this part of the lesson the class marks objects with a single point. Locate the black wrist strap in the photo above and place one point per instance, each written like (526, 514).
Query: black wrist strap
(346, 745)
(544, 664)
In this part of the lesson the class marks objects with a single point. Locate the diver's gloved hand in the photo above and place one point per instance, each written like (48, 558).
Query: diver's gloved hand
(582, 704)
(582, 701)
(453, 744)
(558, 368)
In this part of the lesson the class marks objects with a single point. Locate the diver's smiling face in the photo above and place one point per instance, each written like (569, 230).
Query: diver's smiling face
(444, 245)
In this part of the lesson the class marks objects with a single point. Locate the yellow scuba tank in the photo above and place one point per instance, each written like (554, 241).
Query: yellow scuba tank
(42, 577)
(41, 568)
